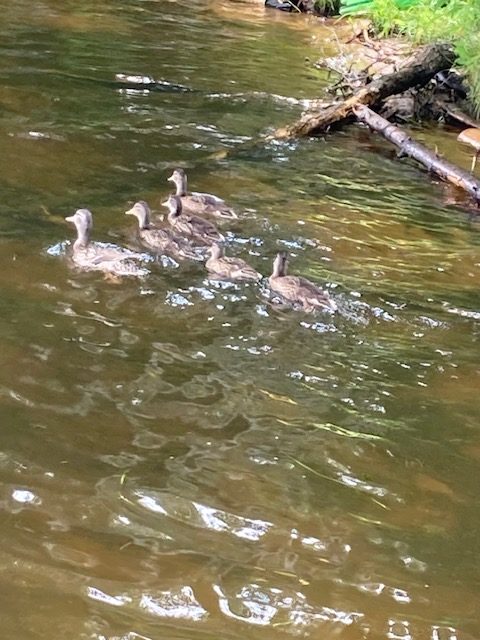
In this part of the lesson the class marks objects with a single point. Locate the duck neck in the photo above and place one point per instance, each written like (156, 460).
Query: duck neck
(175, 209)
(173, 214)
(181, 186)
(216, 252)
(82, 240)
(279, 268)
(144, 220)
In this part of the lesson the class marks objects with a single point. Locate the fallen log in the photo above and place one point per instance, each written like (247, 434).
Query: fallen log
(408, 147)
(454, 114)
(424, 65)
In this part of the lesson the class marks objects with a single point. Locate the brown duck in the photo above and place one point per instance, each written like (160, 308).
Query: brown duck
(201, 203)
(100, 256)
(229, 268)
(298, 290)
(199, 229)
(158, 239)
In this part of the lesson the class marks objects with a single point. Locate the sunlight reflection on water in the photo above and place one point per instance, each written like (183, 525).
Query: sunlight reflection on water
(189, 458)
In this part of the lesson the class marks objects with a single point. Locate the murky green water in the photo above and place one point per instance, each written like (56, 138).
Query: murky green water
(180, 459)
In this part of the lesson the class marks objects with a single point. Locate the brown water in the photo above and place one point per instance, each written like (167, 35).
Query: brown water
(180, 459)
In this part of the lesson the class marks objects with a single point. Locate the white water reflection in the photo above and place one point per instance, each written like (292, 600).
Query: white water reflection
(177, 604)
(184, 458)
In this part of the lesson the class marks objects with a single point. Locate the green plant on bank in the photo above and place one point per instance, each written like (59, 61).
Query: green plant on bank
(349, 7)
(423, 21)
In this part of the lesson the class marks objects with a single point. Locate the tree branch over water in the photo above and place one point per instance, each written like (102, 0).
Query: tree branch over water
(408, 147)
(424, 65)
(415, 73)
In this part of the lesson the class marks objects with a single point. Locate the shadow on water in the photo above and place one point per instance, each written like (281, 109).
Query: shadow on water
(183, 457)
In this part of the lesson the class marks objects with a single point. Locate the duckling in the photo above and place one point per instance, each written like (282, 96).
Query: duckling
(202, 203)
(99, 256)
(298, 290)
(160, 240)
(229, 268)
(201, 230)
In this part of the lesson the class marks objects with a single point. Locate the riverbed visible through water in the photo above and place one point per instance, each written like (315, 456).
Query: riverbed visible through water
(181, 457)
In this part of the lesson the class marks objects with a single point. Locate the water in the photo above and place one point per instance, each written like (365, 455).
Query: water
(181, 458)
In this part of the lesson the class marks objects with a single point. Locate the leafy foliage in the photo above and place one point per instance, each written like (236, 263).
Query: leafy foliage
(456, 21)
(349, 7)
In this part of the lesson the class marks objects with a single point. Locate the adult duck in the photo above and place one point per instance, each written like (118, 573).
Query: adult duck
(201, 203)
(100, 256)
(297, 290)
(158, 239)
(228, 268)
(200, 230)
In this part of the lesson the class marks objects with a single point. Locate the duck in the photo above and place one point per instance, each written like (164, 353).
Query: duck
(297, 290)
(201, 203)
(229, 268)
(201, 230)
(99, 256)
(159, 239)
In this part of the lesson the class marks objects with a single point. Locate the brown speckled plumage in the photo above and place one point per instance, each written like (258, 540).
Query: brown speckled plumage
(158, 239)
(298, 290)
(224, 267)
(94, 256)
(201, 203)
(187, 224)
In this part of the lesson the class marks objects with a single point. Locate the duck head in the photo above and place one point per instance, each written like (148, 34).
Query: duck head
(83, 221)
(280, 264)
(179, 178)
(141, 211)
(174, 205)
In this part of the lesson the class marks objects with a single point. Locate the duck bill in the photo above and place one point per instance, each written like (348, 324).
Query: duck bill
(129, 212)
(171, 178)
(165, 204)
(70, 218)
